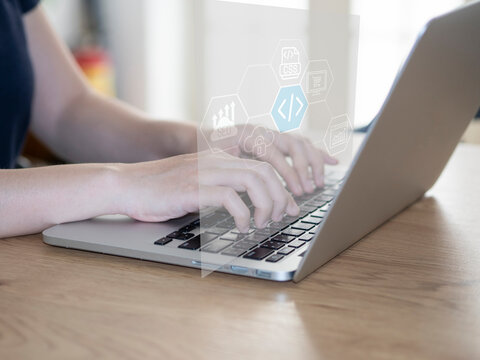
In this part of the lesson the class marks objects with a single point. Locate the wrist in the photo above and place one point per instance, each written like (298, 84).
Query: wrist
(111, 185)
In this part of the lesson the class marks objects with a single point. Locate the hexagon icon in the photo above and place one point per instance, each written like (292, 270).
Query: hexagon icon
(219, 125)
(338, 134)
(317, 81)
(289, 108)
(258, 89)
(289, 62)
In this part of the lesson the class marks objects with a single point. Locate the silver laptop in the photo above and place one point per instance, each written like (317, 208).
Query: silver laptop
(433, 99)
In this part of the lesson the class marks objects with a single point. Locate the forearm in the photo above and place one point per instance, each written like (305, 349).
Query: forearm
(94, 128)
(33, 199)
(81, 125)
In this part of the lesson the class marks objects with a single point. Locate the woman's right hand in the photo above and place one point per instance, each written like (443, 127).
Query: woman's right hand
(167, 189)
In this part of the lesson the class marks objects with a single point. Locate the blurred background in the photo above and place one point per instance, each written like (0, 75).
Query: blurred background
(141, 50)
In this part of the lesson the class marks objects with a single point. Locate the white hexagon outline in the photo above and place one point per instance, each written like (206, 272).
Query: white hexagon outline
(329, 87)
(273, 58)
(328, 132)
(213, 149)
(273, 105)
(243, 79)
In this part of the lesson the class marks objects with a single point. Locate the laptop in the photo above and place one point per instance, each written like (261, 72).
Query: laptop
(434, 97)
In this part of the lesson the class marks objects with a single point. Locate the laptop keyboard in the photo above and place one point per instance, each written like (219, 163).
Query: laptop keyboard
(272, 244)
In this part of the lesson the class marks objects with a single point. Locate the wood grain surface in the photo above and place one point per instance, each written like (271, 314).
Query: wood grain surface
(410, 290)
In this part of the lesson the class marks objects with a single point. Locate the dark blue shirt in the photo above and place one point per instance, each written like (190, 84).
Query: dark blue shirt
(16, 80)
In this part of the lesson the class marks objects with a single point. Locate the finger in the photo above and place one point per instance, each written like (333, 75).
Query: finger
(282, 200)
(330, 160)
(316, 160)
(278, 161)
(242, 179)
(298, 154)
(230, 200)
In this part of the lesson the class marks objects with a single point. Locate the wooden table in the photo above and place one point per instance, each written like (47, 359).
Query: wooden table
(410, 290)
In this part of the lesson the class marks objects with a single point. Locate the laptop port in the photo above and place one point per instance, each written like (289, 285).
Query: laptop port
(239, 269)
(264, 274)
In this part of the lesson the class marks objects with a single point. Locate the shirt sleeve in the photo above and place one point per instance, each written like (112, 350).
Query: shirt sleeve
(27, 5)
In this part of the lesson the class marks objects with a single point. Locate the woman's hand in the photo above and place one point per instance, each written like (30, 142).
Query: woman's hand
(171, 188)
(307, 166)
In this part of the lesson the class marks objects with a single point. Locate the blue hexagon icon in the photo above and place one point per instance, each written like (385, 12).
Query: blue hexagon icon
(289, 108)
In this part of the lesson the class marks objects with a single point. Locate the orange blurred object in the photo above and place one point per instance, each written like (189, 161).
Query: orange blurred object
(98, 68)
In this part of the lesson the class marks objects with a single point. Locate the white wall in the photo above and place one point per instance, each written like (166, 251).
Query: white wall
(125, 26)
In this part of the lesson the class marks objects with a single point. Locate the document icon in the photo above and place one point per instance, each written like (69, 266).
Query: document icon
(290, 68)
(317, 82)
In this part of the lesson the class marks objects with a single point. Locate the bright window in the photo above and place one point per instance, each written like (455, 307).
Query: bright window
(388, 30)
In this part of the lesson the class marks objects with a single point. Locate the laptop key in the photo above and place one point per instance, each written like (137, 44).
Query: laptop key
(317, 203)
(330, 192)
(177, 235)
(296, 244)
(325, 208)
(312, 220)
(257, 238)
(198, 241)
(211, 220)
(307, 207)
(286, 251)
(293, 232)
(274, 227)
(190, 227)
(289, 219)
(216, 230)
(236, 231)
(258, 254)
(232, 237)
(327, 197)
(163, 241)
(275, 245)
(216, 246)
(275, 258)
(318, 214)
(283, 238)
(314, 230)
(303, 213)
(302, 226)
(306, 237)
(233, 251)
(245, 245)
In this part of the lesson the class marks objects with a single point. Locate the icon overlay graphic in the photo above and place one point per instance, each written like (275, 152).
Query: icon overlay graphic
(317, 81)
(297, 82)
(338, 134)
(290, 67)
(258, 142)
(289, 108)
(224, 123)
